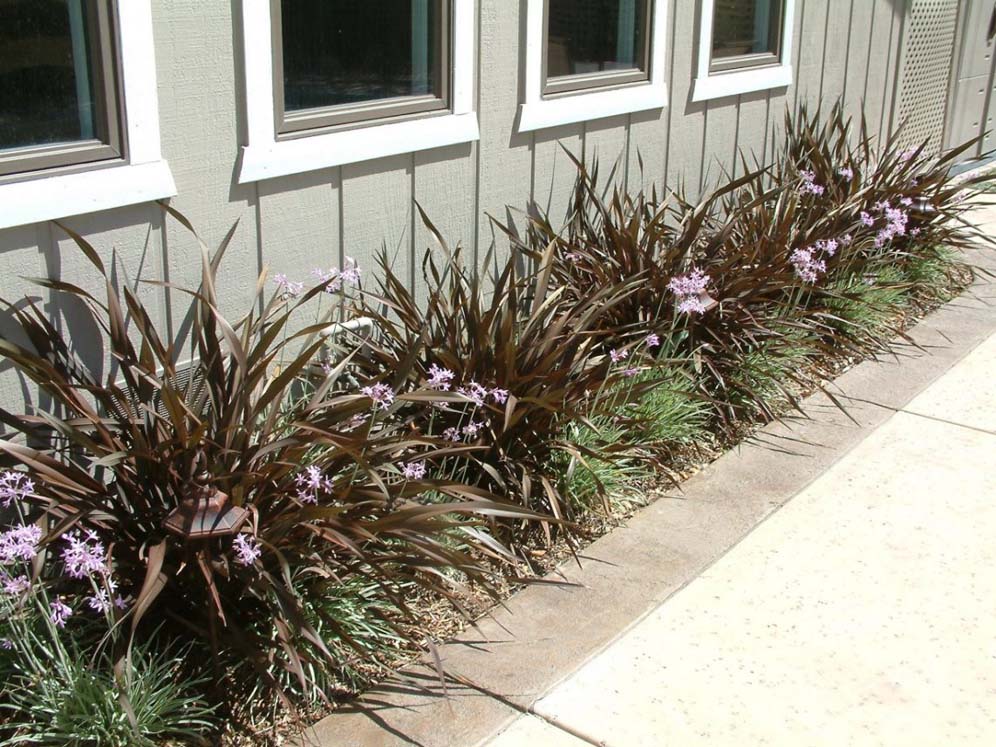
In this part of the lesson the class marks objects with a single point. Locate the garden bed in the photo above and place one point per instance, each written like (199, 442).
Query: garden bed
(413, 699)
(542, 634)
(349, 467)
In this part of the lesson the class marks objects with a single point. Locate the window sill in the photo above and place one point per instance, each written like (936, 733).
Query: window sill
(585, 106)
(743, 81)
(54, 197)
(315, 152)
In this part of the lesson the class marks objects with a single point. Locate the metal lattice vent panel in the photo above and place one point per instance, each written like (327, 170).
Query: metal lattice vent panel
(928, 54)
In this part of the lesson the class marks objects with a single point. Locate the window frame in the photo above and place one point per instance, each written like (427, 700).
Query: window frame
(27, 161)
(743, 62)
(567, 84)
(139, 175)
(306, 121)
(269, 154)
(750, 60)
(605, 94)
(745, 73)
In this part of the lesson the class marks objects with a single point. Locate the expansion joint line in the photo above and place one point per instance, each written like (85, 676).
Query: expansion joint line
(524, 711)
(922, 415)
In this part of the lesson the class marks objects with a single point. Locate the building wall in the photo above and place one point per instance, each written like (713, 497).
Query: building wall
(842, 48)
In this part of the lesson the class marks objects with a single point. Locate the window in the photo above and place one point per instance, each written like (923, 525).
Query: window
(58, 83)
(587, 59)
(592, 44)
(744, 46)
(79, 123)
(350, 61)
(745, 33)
(352, 80)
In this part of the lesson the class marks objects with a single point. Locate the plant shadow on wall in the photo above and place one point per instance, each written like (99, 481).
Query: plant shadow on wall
(260, 532)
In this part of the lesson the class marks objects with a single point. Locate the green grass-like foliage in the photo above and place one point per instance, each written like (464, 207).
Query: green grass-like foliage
(63, 687)
(72, 702)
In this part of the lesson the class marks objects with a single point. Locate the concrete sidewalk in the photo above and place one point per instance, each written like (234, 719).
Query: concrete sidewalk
(863, 612)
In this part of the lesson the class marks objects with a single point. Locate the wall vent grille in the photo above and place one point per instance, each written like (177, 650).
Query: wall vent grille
(928, 53)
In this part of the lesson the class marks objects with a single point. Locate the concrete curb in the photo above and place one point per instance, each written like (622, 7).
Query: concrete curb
(545, 633)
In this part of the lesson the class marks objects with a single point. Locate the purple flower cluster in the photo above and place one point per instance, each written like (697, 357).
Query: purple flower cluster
(620, 354)
(330, 279)
(474, 392)
(807, 265)
(334, 279)
(473, 428)
(14, 586)
(100, 601)
(350, 274)
(846, 172)
(652, 340)
(689, 288)
(381, 394)
(479, 394)
(60, 612)
(896, 220)
(414, 470)
(440, 379)
(809, 185)
(310, 482)
(14, 486)
(247, 549)
(19, 543)
(288, 287)
(811, 262)
(85, 555)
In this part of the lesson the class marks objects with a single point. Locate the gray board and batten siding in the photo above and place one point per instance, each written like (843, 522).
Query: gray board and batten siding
(842, 48)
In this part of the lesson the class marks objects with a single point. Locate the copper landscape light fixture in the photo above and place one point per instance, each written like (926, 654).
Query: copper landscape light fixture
(205, 512)
(923, 208)
(708, 302)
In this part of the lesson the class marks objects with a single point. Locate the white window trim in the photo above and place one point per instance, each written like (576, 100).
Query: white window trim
(143, 178)
(537, 112)
(716, 85)
(265, 157)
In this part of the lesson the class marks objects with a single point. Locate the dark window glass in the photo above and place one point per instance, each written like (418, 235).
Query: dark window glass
(49, 81)
(593, 36)
(745, 27)
(338, 52)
